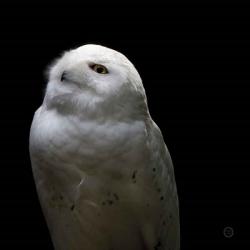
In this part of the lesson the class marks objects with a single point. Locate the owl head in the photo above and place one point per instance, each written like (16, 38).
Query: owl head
(95, 81)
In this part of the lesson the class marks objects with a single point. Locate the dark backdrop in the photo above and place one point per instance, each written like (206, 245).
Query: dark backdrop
(193, 60)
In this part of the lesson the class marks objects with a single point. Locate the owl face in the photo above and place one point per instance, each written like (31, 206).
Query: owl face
(92, 77)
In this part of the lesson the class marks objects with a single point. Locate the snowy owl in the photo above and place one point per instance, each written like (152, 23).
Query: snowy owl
(103, 173)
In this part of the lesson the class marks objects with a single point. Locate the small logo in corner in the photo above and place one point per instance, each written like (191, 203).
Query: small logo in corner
(228, 232)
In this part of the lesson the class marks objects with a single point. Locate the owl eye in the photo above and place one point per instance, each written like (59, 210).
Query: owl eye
(98, 68)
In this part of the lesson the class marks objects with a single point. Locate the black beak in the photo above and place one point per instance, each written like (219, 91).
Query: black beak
(63, 77)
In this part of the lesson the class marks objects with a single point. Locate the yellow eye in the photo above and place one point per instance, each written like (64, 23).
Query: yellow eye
(100, 69)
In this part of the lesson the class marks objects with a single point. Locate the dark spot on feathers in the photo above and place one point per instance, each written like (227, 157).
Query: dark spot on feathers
(134, 176)
(72, 207)
(103, 203)
(164, 223)
(154, 169)
(61, 197)
(158, 190)
(110, 202)
(162, 198)
(158, 245)
(116, 196)
(170, 216)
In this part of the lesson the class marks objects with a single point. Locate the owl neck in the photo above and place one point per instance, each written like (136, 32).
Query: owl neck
(118, 108)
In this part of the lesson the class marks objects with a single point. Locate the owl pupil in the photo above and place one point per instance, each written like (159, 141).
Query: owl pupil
(99, 70)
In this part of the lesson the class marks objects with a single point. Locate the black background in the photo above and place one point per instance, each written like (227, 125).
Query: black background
(193, 60)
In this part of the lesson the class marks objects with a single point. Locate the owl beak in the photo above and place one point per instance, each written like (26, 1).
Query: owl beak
(63, 76)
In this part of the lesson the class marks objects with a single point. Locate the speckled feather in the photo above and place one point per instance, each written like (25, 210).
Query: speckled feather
(103, 174)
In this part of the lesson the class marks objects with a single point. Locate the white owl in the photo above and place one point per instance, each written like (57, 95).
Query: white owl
(103, 173)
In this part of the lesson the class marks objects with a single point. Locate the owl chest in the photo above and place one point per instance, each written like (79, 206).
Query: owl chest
(89, 145)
